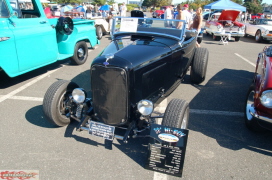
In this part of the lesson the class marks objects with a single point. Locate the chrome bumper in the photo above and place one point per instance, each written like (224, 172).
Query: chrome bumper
(267, 37)
(263, 118)
(232, 34)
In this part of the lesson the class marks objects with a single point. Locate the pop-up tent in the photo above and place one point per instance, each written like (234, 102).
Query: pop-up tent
(225, 4)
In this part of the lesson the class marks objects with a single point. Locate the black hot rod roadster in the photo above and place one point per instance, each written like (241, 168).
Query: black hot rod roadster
(145, 61)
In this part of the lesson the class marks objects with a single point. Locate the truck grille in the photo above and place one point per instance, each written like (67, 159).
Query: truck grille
(110, 94)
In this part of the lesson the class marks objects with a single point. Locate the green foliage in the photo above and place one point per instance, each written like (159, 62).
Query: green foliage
(156, 3)
(99, 2)
(253, 7)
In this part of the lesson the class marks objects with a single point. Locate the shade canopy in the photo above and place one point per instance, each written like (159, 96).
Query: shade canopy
(225, 4)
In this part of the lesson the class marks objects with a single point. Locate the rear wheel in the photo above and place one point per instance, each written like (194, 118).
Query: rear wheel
(54, 102)
(199, 65)
(176, 114)
(258, 36)
(250, 121)
(99, 32)
(80, 53)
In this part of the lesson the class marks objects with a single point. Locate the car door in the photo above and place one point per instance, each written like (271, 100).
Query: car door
(35, 38)
(8, 58)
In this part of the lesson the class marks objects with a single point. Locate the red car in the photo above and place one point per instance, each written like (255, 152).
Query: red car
(258, 106)
(256, 16)
(158, 13)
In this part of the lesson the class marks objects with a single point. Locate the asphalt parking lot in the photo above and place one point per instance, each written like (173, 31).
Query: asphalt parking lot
(219, 144)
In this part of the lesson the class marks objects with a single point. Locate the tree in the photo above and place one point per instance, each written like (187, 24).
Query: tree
(253, 6)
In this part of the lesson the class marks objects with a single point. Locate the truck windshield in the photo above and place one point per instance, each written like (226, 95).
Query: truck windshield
(4, 13)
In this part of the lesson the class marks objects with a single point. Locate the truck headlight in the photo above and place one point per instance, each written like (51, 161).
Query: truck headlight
(266, 98)
(79, 95)
(145, 107)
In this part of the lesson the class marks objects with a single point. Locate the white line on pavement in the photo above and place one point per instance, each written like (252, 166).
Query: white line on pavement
(245, 59)
(9, 95)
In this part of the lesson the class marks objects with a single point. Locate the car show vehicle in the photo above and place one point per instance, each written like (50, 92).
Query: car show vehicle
(142, 65)
(258, 105)
(256, 16)
(260, 28)
(29, 40)
(159, 12)
(225, 23)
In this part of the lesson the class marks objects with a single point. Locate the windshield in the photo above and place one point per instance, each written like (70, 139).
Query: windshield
(148, 26)
(266, 22)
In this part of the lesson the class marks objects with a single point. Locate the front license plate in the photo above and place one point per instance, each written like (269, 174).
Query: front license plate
(101, 130)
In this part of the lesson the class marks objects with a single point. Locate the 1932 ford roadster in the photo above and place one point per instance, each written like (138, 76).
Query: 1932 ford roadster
(145, 61)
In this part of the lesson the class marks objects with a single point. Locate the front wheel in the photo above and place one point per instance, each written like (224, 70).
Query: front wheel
(199, 65)
(237, 39)
(250, 121)
(80, 53)
(54, 102)
(176, 114)
(258, 36)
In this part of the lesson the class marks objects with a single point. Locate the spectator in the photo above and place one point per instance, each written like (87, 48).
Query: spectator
(187, 15)
(123, 10)
(168, 15)
(180, 16)
(197, 22)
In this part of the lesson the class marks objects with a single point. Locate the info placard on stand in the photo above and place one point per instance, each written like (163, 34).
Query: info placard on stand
(167, 148)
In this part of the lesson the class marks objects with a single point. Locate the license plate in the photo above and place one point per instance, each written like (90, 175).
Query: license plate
(101, 130)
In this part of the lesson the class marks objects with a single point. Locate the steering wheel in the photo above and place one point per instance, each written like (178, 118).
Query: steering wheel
(65, 25)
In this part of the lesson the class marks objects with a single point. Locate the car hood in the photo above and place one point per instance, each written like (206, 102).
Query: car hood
(133, 54)
(229, 15)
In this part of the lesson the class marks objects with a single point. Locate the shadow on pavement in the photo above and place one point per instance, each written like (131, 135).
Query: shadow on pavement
(226, 91)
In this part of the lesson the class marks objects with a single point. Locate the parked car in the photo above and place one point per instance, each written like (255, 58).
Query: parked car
(29, 40)
(158, 13)
(258, 106)
(260, 28)
(225, 22)
(256, 16)
(142, 65)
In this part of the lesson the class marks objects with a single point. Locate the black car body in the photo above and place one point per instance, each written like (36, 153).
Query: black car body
(145, 61)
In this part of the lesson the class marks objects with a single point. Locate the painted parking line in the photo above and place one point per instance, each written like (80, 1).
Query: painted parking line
(246, 60)
(9, 95)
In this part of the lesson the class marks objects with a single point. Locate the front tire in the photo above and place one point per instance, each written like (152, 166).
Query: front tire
(99, 32)
(216, 38)
(54, 102)
(258, 36)
(250, 121)
(199, 65)
(80, 53)
(176, 114)
(237, 39)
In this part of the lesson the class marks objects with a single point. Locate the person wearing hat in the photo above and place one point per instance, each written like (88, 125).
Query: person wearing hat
(187, 15)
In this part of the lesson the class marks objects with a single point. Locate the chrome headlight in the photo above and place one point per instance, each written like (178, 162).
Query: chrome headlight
(79, 95)
(219, 27)
(266, 31)
(242, 28)
(266, 98)
(145, 107)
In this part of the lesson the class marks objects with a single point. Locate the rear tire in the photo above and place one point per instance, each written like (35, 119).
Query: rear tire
(199, 65)
(80, 53)
(176, 114)
(54, 102)
(250, 121)
(99, 32)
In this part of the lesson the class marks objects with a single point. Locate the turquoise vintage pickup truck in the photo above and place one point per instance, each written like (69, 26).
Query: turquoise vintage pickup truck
(29, 40)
